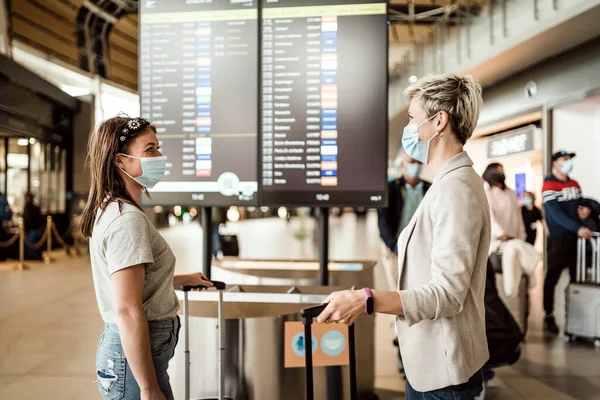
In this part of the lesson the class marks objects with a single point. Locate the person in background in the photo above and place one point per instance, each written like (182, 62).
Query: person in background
(404, 197)
(132, 264)
(589, 214)
(33, 223)
(562, 197)
(5, 217)
(32, 215)
(531, 216)
(507, 222)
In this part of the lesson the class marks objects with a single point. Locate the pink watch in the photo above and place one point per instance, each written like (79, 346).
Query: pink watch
(369, 307)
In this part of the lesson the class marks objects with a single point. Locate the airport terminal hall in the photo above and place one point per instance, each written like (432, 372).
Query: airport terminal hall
(299, 199)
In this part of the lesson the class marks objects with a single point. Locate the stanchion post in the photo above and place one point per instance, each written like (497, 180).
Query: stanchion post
(47, 258)
(21, 266)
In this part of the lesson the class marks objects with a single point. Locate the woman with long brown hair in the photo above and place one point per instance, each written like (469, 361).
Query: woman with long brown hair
(132, 265)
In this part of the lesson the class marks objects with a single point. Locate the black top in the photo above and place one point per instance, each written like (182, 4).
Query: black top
(32, 217)
(530, 219)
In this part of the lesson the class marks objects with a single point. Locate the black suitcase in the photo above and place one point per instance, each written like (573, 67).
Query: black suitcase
(308, 314)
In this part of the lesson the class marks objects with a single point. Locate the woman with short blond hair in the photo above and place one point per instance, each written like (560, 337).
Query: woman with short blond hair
(442, 253)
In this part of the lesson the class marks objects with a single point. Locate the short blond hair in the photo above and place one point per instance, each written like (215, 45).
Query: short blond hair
(459, 96)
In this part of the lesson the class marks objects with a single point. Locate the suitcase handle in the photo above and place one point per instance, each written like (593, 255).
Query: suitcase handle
(216, 284)
(309, 313)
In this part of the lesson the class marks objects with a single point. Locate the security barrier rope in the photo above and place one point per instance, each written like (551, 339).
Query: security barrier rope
(10, 241)
(49, 232)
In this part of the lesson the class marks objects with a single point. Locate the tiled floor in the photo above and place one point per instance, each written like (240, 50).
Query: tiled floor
(49, 322)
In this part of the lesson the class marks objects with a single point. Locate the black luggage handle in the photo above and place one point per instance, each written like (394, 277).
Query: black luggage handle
(308, 314)
(216, 284)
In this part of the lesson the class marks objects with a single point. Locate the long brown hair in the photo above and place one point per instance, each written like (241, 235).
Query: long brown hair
(107, 184)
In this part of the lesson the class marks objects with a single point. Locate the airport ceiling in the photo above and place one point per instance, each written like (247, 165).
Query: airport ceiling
(100, 36)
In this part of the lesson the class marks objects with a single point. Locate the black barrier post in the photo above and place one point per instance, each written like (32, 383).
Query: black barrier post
(323, 246)
(334, 374)
(207, 240)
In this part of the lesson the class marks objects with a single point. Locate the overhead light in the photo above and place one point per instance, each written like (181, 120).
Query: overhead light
(32, 141)
(177, 211)
(233, 214)
(22, 142)
(413, 79)
(282, 212)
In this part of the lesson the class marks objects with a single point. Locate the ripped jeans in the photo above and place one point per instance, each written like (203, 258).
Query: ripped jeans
(115, 379)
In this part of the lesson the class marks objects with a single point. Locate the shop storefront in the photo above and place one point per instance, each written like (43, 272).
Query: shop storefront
(36, 135)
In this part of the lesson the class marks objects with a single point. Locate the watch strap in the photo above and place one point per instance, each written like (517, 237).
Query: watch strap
(368, 295)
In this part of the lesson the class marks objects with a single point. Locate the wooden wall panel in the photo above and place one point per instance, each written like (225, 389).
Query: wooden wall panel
(60, 26)
(43, 41)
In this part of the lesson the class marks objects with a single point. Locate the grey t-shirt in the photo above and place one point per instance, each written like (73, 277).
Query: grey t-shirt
(124, 238)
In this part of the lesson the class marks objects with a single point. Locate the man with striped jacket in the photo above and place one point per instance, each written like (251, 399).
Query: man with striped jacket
(562, 207)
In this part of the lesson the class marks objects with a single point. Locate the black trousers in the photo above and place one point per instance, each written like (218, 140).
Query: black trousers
(562, 253)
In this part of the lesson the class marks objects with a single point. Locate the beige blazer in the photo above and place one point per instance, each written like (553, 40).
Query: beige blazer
(442, 262)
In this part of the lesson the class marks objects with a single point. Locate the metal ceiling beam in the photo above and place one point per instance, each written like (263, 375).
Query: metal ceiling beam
(95, 20)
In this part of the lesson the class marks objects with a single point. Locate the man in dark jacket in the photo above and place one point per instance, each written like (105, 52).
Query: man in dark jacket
(562, 201)
(404, 196)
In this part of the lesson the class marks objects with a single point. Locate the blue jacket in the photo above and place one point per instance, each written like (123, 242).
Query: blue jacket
(561, 200)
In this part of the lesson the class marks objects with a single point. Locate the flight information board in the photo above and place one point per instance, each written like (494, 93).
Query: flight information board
(199, 87)
(324, 102)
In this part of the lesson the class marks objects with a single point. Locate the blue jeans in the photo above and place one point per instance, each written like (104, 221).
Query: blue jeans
(115, 379)
(467, 391)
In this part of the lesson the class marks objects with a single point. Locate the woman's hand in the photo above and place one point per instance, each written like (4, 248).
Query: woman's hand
(344, 307)
(195, 279)
(154, 394)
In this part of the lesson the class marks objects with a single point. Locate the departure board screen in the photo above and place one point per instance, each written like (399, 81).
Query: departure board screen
(324, 102)
(199, 87)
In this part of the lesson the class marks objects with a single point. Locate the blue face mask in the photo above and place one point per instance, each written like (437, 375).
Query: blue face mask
(413, 170)
(527, 201)
(415, 148)
(153, 170)
(567, 167)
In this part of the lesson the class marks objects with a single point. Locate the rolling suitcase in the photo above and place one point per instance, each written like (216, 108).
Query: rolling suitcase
(583, 295)
(308, 314)
(220, 286)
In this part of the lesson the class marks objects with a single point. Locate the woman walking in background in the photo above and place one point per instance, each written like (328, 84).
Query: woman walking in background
(507, 221)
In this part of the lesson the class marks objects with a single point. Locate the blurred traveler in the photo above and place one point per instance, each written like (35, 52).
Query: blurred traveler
(132, 264)
(33, 223)
(507, 222)
(562, 197)
(404, 197)
(589, 214)
(442, 253)
(5, 217)
(5, 211)
(531, 216)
